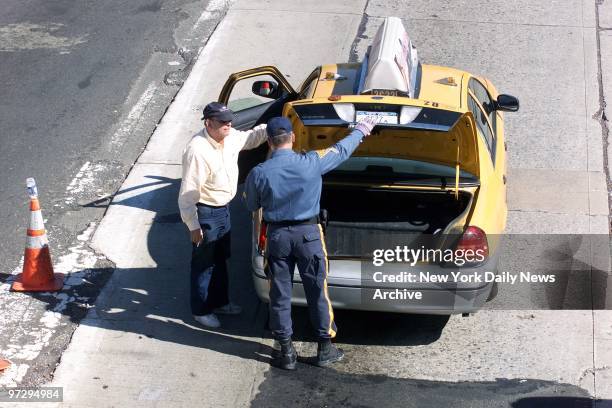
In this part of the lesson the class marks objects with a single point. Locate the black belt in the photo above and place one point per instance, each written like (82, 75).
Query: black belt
(211, 206)
(288, 223)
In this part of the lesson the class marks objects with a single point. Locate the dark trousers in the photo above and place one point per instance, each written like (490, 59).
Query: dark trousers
(209, 277)
(304, 246)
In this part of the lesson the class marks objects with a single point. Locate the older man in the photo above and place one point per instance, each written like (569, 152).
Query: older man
(288, 189)
(210, 179)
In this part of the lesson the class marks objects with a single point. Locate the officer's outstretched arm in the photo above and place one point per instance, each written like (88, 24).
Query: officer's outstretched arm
(331, 158)
(251, 194)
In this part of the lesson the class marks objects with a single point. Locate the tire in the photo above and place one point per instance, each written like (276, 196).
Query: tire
(493, 293)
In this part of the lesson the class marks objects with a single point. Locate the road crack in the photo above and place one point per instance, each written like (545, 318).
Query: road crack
(354, 54)
(600, 115)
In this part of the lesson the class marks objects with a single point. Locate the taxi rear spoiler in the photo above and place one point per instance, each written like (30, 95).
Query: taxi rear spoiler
(395, 116)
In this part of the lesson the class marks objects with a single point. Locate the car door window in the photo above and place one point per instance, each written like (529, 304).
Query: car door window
(242, 97)
(309, 85)
(482, 124)
(485, 100)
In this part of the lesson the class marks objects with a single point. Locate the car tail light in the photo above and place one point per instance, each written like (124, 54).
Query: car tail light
(408, 114)
(345, 111)
(474, 239)
(261, 240)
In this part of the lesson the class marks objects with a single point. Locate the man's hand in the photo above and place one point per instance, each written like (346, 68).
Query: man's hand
(366, 124)
(197, 236)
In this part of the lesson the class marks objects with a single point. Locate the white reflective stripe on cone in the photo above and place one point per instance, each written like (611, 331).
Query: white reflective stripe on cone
(36, 220)
(37, 242)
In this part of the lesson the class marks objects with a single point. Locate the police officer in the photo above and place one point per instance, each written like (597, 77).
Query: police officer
(288, 188)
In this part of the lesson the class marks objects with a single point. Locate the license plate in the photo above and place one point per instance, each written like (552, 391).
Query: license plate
(383, 117)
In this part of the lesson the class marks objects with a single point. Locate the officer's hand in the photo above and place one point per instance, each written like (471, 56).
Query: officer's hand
(366, 124)
(197, 237)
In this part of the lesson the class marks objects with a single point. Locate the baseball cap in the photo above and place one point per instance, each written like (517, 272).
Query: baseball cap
(278, 126)
(218, 111)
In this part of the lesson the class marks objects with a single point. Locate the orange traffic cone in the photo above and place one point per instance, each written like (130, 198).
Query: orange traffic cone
(37, 273)
(4, 364)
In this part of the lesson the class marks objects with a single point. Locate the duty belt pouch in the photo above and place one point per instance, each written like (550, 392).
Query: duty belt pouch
(323, 219)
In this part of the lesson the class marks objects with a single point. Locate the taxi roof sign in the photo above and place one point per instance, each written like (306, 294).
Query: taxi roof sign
(392, 62)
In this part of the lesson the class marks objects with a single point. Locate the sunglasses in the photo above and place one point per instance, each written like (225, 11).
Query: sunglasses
(223, 122)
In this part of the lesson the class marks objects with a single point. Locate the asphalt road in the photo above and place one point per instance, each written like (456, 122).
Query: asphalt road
(82, 85)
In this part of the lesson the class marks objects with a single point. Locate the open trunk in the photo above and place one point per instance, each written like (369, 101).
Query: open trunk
(361, 219)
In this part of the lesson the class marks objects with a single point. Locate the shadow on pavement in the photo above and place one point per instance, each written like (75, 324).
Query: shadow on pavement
(164, 291)
(153, 302)
(561, 402)
(374, 328)
(314, 387)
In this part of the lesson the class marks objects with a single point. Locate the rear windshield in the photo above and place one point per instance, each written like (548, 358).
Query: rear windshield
(361, 168)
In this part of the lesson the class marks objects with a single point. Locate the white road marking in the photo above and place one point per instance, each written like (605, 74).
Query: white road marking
(78, 258)
(27, 36)
(75, 262)
(136, 112)
(13, 375)
(83, 181)
(214, 6)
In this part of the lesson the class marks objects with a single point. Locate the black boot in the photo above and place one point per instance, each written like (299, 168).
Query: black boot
(327, 353)
(286, 358)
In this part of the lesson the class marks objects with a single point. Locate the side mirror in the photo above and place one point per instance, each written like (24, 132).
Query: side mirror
(267, 89)
(507, 103)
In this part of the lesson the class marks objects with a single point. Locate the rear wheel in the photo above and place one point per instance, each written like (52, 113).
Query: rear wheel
(493, 293)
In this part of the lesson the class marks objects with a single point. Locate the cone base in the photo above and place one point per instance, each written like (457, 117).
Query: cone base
(52, 285)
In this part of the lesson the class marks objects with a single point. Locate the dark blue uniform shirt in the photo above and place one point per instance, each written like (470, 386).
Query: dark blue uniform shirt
(288, 184)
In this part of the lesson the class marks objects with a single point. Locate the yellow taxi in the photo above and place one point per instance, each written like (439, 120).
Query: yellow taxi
(434, 167)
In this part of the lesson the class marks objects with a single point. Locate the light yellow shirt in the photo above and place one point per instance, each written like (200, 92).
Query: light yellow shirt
(210, 170)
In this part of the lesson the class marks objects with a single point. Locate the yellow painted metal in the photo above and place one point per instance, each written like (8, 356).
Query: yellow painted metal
(490, 209)
(434, 86)
(462, 148)
(391, 100)
(429, 146)
(325, 87)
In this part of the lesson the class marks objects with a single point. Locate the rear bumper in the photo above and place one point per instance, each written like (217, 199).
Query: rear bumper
(347, 292)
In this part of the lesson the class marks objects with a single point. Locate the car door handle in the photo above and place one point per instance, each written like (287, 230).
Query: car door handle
(504, 178)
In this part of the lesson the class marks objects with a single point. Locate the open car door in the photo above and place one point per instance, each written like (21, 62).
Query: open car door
(255, 95)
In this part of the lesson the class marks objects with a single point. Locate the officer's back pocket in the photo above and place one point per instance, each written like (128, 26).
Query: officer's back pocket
(312, 244)
(312, 236)
(278, 245)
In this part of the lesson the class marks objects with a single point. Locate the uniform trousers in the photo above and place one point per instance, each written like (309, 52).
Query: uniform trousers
(209, 275)
(302, 246)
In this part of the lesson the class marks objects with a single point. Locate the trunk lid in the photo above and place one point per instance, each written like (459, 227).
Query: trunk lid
(415, 132)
